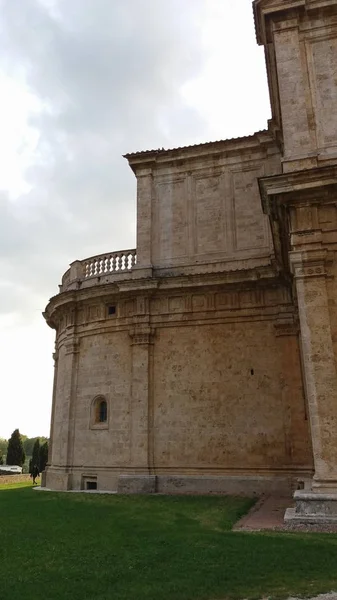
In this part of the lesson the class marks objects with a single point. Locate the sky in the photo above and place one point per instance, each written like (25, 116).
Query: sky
(83, 82)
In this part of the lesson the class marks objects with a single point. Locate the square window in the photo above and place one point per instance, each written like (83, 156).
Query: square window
(91, 485)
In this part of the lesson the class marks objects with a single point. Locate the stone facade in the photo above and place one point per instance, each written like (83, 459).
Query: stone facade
(213, 344)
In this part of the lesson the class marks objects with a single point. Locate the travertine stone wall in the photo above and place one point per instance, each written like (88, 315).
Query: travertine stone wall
(218, 401)
(201, 205)
(199, 382)
(331, 283)
(104, 369)
(201, 363)
(304, 206)
(301, 50)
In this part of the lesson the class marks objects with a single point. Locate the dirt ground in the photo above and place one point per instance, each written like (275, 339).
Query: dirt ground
(4, 479)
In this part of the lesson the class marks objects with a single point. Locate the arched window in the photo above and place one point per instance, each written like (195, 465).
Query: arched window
(102, 411)
(99, 418)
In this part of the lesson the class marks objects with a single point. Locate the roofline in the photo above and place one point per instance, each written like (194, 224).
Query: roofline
(159, 151)
(147, 157)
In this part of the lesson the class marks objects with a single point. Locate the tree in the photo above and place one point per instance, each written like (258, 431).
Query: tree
(43, 456)
(36, 454)
(15, 452)
(3, 446)
(1, 459)
(28, 443)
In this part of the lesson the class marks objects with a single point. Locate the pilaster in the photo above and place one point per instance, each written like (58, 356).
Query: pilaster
(303, 219)
(310, 269)
(141, 480)
(58, 474)
(51, 437)
(144, 219)
(296, 434)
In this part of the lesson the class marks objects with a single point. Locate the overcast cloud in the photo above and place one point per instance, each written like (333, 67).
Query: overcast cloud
(85, 82)
(107, 76)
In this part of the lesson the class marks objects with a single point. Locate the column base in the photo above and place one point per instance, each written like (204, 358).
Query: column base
(136, 484)
(56, 479)
(312, 508)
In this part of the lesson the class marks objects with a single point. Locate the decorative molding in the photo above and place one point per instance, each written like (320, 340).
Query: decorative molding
(72, 346)
(286, 328)
(142, 335)
(305, 264)
(310, 271)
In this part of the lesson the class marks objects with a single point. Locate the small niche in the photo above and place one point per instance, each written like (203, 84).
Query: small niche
(252, 371)
(91, 485)
(111, 310)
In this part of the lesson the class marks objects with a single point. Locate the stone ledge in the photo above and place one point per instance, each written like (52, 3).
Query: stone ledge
(292, 517)
(249, 485)
(314, 496)
(39, 488)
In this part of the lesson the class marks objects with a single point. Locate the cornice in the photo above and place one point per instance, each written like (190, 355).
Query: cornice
(263, 9)
(241, 279)
(143, 163)
(300, 184)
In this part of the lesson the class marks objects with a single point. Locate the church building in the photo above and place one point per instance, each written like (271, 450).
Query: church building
(205, 360)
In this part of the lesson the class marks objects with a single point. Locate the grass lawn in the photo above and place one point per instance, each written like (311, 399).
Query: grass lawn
(77, 546)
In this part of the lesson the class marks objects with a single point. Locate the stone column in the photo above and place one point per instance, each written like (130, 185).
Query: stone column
(72, 350)
(309, 269)
(141, 480)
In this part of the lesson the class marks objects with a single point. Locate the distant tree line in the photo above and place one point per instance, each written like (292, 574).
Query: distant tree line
(19, 447)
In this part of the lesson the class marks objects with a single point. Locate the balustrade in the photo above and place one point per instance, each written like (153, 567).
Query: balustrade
(121, 261)
(103, 264)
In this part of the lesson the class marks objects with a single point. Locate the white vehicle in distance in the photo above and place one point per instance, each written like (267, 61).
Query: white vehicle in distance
(10, 469)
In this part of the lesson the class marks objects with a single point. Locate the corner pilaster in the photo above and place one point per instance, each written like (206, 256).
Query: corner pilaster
(310, 269)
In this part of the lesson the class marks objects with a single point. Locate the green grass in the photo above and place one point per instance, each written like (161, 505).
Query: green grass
(75, 546)
(14, 486)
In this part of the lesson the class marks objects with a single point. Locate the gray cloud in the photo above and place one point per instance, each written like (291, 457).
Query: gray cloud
(108, 75)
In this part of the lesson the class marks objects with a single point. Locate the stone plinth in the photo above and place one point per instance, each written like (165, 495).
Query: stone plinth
(312, 507)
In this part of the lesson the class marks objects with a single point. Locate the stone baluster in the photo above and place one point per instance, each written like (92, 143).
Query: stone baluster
(96, 266)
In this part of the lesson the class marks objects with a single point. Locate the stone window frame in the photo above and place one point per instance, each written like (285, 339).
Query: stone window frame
(95, 422)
